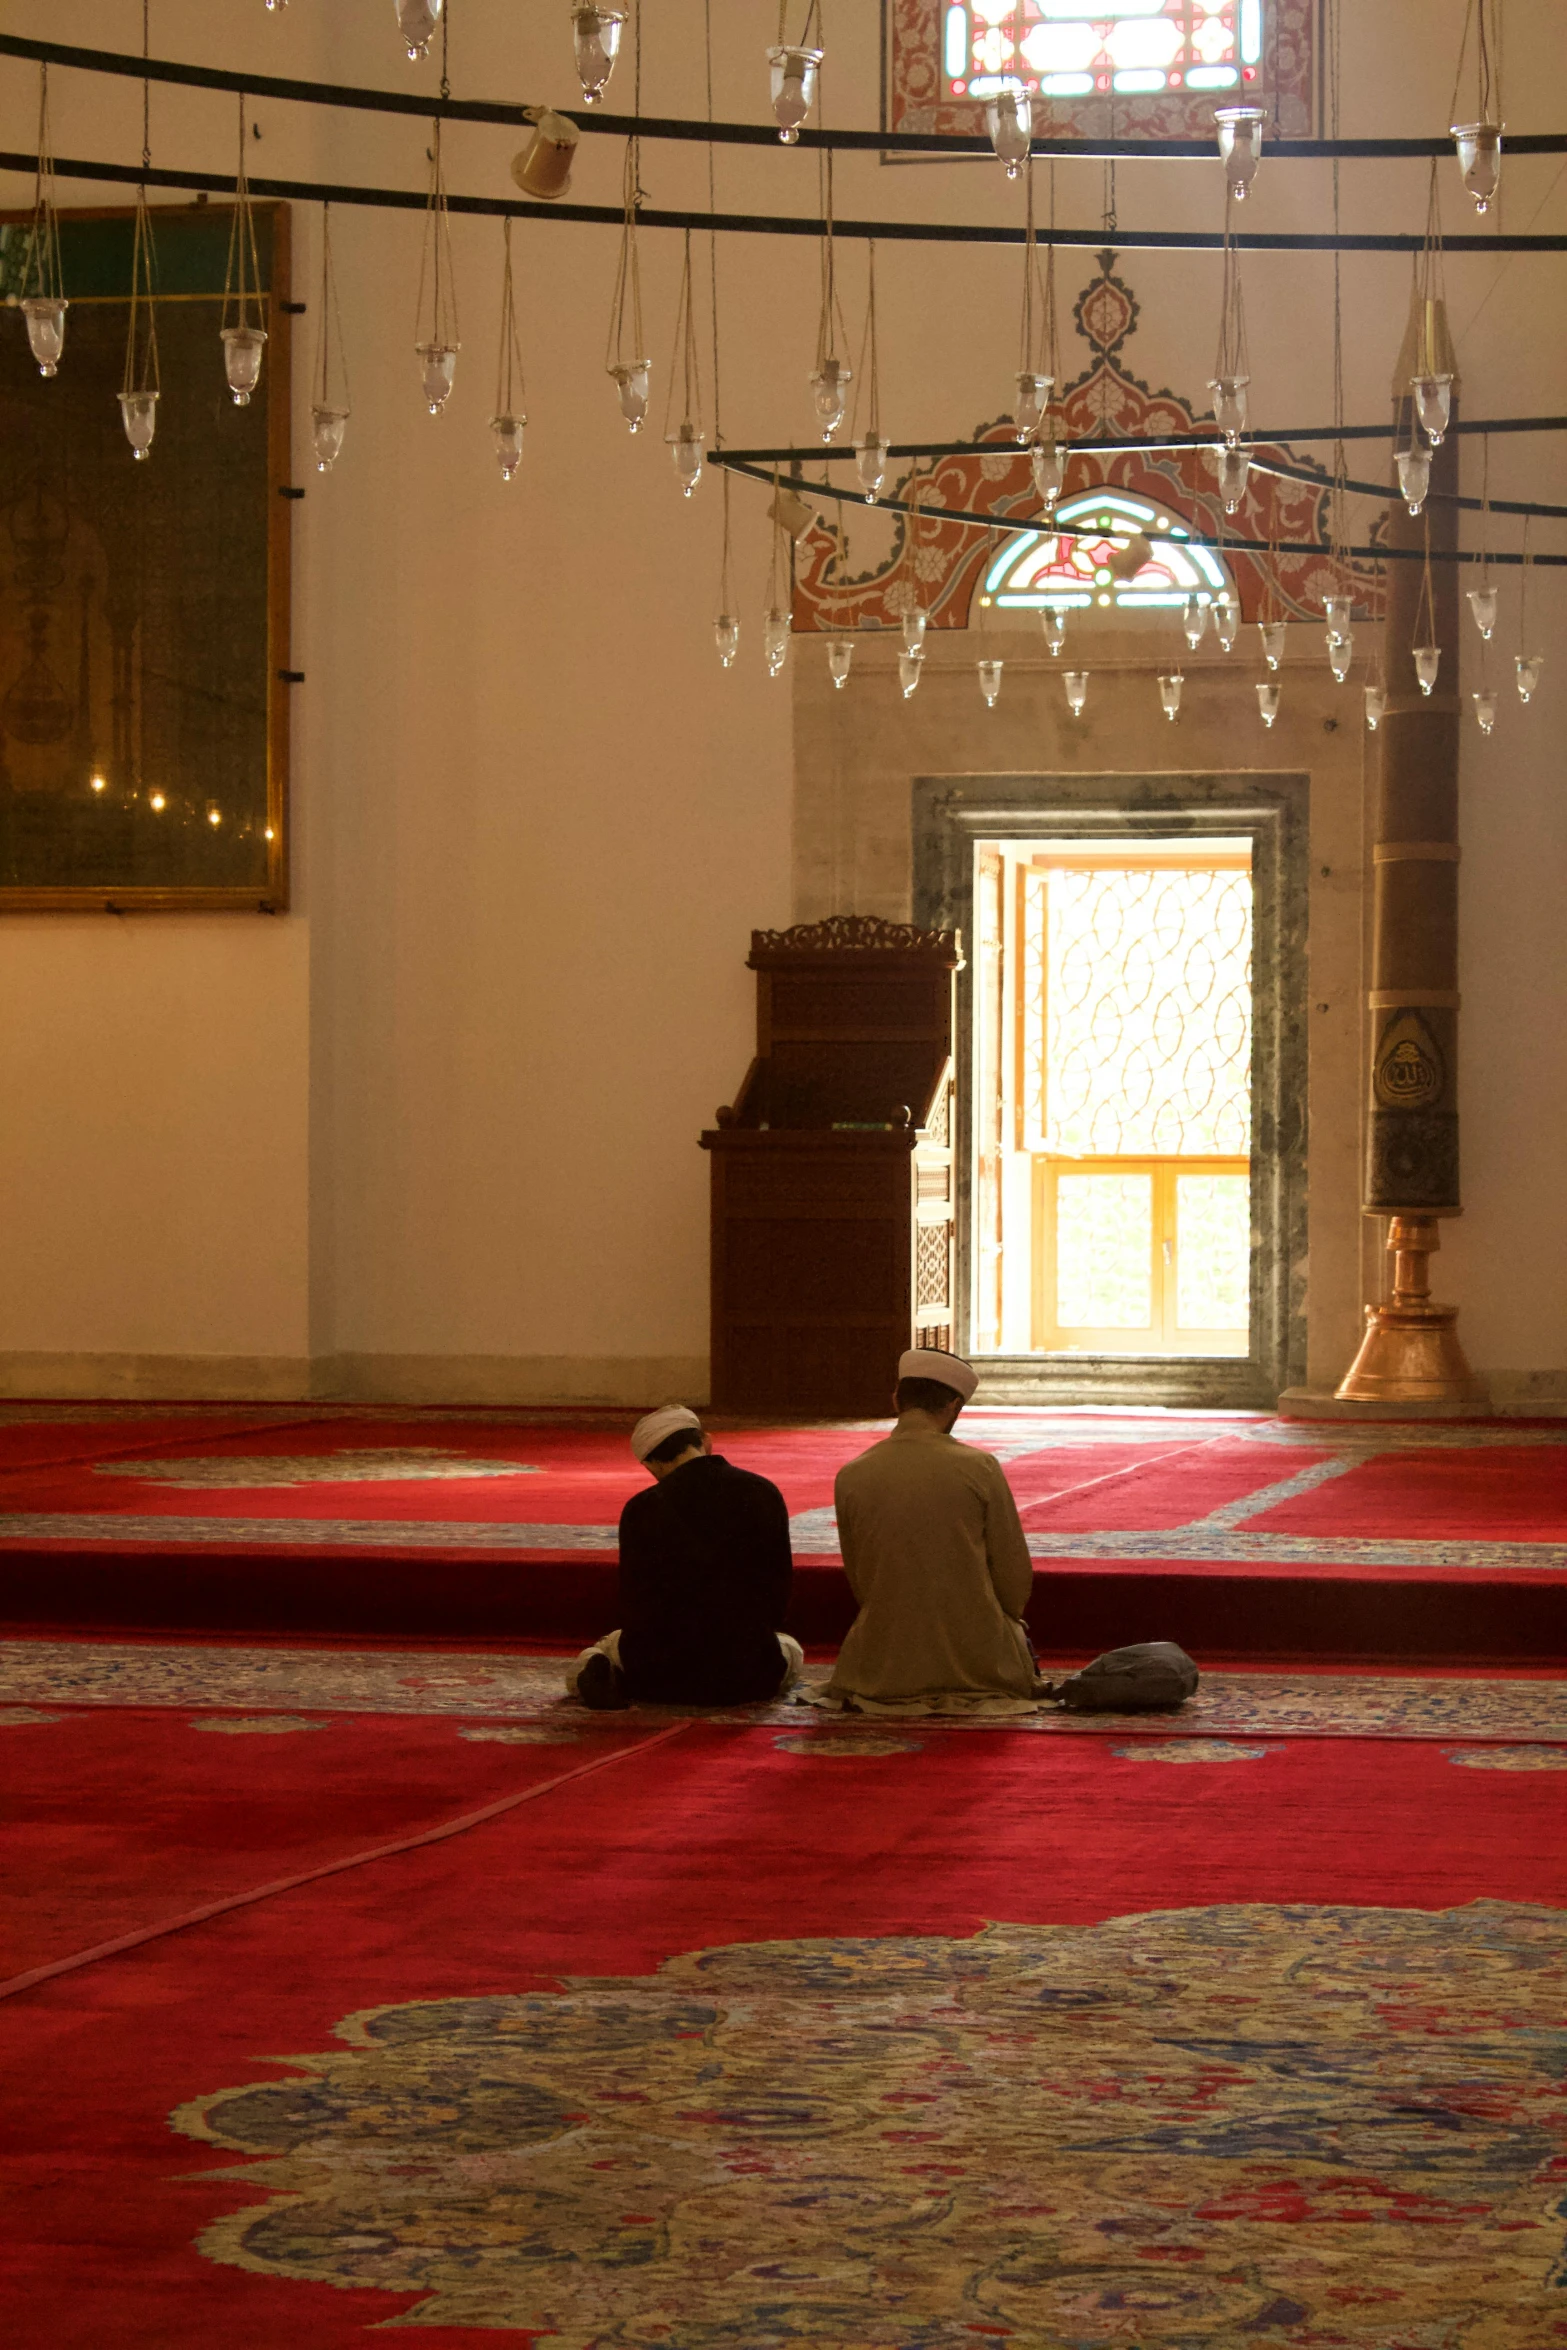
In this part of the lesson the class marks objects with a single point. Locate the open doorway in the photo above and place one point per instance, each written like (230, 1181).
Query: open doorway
(1112, 1060)
(1131, 1103)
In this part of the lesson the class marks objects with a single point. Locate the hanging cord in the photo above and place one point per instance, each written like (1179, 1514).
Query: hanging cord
(1425, 605)
(1232, 357)
(626, 303)
(44, 277)
(774, 564)
(510, 381)
(446, 38)
(141, 343)
(242, 278)
(868, 379)
(683, 357)
(435, 260)
(1338, 533)
(329, 323)
(1525, 579)
(1480, 15)
(724, 597)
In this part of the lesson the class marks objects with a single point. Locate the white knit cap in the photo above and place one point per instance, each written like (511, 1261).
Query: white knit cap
(928, 1362)
(651, 1430)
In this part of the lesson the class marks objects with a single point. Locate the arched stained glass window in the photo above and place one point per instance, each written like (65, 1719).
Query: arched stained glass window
(1075, 49)
(1083, 563)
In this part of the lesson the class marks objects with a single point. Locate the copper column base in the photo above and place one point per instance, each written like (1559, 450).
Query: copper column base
(1410, 1353)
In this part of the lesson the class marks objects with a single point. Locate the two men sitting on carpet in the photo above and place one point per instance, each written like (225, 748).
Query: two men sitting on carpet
(932, 1546)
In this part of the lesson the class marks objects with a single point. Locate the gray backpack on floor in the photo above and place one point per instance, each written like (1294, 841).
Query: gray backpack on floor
(1151, 1676)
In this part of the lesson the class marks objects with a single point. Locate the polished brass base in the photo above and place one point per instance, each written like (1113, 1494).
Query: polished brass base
(1410, 1353)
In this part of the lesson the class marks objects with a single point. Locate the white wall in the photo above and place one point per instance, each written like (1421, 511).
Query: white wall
(435, 1129)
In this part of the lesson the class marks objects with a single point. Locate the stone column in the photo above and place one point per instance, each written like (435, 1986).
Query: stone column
(1410, 1353)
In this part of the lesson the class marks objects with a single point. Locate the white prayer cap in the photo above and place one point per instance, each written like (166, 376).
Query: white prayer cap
(651, 1430)
(928, 1362)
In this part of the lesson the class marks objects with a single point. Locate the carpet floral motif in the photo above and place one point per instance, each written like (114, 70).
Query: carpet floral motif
(258, 1725)
(832, 1746)
(1210, 2129)
(1190, 1750)
(503, 1687)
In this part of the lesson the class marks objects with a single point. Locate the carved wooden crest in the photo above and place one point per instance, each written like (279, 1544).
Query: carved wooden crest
(855, 933)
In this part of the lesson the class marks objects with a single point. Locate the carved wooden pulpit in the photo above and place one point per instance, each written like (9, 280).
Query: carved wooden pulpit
(832, 1179)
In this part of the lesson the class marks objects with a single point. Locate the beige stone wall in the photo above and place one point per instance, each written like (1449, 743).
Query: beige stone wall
(444, 1113)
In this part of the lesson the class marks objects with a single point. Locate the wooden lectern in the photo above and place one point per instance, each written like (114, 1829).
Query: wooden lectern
(832, 1173)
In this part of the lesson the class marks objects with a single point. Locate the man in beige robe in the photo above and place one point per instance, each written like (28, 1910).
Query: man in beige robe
(936, 1557)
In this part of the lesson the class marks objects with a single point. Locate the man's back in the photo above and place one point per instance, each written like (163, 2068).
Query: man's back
(705, 1572)
(937, 1560)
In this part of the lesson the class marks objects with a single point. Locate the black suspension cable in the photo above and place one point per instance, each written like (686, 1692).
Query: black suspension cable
(737, 134)
(1197, 438)
(1042, 522)
(764, 224)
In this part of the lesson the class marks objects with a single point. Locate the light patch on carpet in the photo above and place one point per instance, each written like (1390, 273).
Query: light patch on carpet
(837, 1749)
(234, 1472)
(1511, 1758)
(18, 1717)
(1207, 2126)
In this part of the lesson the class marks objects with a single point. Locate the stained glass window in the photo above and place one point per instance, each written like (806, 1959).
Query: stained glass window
(1070, 566)
(1131, 48)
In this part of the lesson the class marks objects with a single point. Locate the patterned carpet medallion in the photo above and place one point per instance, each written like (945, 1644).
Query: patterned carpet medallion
(1212, 2129)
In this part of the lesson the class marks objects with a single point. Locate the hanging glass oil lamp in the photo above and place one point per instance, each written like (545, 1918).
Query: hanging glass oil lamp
(506, 425)
(139, 414)
(45, 316)
(1229, 405)
(1240, 146)
(1194, 619)
(242, 349)
(330, 406)
(633, 381)
(244, 339)
(1033, 398)
(1053, 621)
(1049, 468)
(840, 655)
(595, 38)
(1428, 660)
(1226, 620)
(909, 668)
(328, 427)
(1376, 705)
(870, 465)
(726, 636)
(507, 430)
(1268, 695)
(417, 21)
(1341, 612)
(1528, 667)
(793, 75)
(1009, 118)
(1479, 159)
(1433, 404)
(1233, 466)
(913, 623)
(1341, 654)
(1170, 695)
(437, 373)
(1076, 683)
(1273, 634)
(989, 681)
(830, 392)
(775, 638)
(686, 449)
(1414, 477)
(43, 297)
(139, 392)
(1485, 710)
(1482, 603)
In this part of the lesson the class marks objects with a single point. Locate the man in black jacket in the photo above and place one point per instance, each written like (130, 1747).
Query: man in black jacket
(705, 1571)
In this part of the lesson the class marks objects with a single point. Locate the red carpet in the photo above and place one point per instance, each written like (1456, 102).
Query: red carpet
(725, 1836)
(1229, 1533)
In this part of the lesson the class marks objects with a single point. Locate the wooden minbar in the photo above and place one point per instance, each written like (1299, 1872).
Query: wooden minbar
(832, 1179)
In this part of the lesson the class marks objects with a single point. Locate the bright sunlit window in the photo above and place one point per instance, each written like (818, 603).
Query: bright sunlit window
(1133, 48)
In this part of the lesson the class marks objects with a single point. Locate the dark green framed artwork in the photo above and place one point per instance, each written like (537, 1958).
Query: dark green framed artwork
(144, 606)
